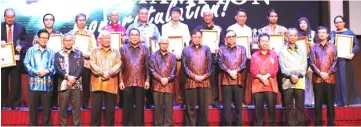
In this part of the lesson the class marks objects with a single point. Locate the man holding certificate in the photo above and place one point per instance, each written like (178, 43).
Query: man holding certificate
(323, 59)
(15, 33)
(40, 71)
(293, 62)
(134, 78)
(197, 64)
(114, 26)
(69, 65)
(105, 66)
(232, 61)
(85, 42)
(212, 37)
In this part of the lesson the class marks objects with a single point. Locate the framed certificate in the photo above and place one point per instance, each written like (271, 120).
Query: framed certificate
(82, 42)
(8, 56)
(55, 42)
(276, 42)
(152, 44)
(176, 45)
(211, 39)
(344, 44)
(243, 40)
(115, 41)
(303, 43)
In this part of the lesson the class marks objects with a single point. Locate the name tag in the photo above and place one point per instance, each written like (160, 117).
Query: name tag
(17, 57)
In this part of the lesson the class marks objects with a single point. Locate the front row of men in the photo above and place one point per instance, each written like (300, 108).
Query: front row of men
(132, 65)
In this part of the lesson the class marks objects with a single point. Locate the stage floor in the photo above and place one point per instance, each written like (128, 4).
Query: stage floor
(350, 116)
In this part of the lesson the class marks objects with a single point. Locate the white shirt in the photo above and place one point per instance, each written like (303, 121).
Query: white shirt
(180, 29)
(241, 30)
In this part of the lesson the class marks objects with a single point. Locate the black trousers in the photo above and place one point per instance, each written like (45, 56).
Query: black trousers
(120, 104)
(324, 92)
(45, 99)
(232, 93)
(133, 95)
(98, 97)
(194, 96)
(86, 85)
(67, 96)
(299, 96)
(259, 100)
(54, 97)
(163, 116)
(149, 96)
(214, 83)
(15, 90)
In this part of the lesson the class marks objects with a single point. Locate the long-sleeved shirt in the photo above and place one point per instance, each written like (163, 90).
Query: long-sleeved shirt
(232, 58)
(278, 30)
(134, 71)
(197, 60)
(293, 62)
(244, 31)
(146, 31)
(323, 58)
(36, 60)
(163, 66)
(180, 29)
(69, 64)
(91, 46)
(264, 64)
(102, 61)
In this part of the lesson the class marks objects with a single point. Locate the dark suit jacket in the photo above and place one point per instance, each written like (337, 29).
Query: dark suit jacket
(19, 33)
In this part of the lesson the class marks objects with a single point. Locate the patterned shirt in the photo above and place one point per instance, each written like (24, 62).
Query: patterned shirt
(36, 60)
(105, 61)
(163, 66)
(69, 64)
(197, 61)
(232, 58)
(264, 64)
(134, 71)
(323, 58)
(293, 62)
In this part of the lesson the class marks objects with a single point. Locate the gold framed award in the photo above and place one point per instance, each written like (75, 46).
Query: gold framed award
(176, 45)
(303, 43)
(210, 38)
(82, 42)
(55, 42)
(7, 55)
(116, 40)
(344, 44)
(276, 42)
(244, 41)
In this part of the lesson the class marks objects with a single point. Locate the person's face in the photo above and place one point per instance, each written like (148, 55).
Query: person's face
(264, 43)
(48, 21)
(292, 36)
(114, 17)
(339, 23)
(303, 25)
(197, 38)
(9, 17)
(81, 22)
(175, 15)
(241, 18)
(134, 37)
(273, 18)
(105, 40)
(208, 17)
(163, 45)
(230, 38)
(322, 34)
(143, 15)
(68, 42)
(43, 39)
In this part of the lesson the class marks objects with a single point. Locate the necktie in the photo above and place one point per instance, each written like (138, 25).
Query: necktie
(10, 34)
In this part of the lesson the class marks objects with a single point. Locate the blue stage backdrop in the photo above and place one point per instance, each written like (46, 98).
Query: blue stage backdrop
(30, 12)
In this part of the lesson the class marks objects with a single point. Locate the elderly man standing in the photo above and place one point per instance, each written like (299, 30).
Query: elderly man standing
(105, 66)
(162, 66)
(293, 63)
(69, 65)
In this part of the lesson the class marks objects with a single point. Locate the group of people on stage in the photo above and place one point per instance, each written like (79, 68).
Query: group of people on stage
(196, 77)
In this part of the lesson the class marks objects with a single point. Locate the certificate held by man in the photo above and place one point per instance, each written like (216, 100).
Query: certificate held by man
(210, 38)
(116, 38)
(82, 42)
(276, 42)
(7, 56)
(176, 45)
(344, 44)
(243, 40)
(55, 42)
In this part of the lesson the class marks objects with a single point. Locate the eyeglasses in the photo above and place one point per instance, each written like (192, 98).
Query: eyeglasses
(44, 38)
(338, 22)
(231, 37)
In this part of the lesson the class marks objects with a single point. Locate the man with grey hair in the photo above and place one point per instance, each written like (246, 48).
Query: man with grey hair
(209, 25)
(162, 64)
(293, 64)
(69, 65)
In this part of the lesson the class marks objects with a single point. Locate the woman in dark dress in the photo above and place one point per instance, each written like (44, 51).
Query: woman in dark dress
(346, 87)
